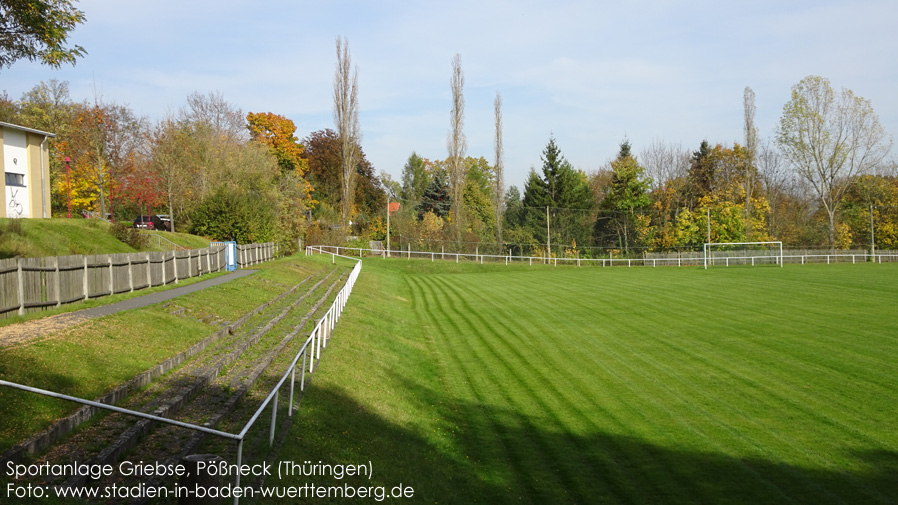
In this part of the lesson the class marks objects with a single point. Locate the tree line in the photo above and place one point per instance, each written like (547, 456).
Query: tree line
(213, 169)
(226, 174)
(822, 181)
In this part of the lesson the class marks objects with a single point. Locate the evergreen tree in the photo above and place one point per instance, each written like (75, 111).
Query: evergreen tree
(514, 208)
(701, 173)
(566, 194)
(435, 198)
(628, 194)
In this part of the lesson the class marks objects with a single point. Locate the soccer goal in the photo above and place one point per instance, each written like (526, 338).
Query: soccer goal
(743, 253)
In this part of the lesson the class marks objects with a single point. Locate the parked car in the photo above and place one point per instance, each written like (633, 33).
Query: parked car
(161, 222)
(143, 222)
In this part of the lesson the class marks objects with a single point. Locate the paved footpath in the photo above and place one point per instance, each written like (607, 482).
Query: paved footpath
(21, 332)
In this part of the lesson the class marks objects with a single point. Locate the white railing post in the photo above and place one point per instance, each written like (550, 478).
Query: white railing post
(237, 478)
(302, 379)
(292, 383)
(274, 416)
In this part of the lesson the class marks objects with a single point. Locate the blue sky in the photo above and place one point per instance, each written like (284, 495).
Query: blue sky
(590, 73)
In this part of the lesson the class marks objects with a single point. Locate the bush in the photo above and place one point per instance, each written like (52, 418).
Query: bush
(245, 216)
(129, 235)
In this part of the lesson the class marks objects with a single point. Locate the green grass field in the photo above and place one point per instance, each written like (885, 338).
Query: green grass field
(494, 384)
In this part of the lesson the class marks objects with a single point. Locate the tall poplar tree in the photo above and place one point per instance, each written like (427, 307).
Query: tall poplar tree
(346, 120)
(457, 145)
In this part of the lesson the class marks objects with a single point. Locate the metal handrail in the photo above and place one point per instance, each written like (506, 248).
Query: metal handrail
(317, 338)
(160, 239)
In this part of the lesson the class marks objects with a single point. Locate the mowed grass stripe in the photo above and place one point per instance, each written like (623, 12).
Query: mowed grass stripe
(554, 380)
(721, 422)
(746, 417)
(792, 372)
(567, 385)
(761, 401)
(493, 440)
(747, 352)
(639, 382)
(642, 484)
(537, 397)
(457, 333)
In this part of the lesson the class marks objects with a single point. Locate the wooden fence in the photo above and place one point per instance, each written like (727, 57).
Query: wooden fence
(31, 284)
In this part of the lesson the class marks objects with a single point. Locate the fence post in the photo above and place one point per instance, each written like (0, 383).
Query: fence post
(130, 274)
(111, 275)
(174, 262)
(86, 281)
(57, 282)
(21, 291)
(149, 271)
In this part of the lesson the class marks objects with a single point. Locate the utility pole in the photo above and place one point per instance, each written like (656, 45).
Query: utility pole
(872, 237)
(548, 236)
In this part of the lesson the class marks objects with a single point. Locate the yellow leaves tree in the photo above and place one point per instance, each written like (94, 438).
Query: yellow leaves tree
(278, 134)
(89, 166)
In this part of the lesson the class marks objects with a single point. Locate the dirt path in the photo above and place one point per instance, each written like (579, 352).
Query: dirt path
(19, 333)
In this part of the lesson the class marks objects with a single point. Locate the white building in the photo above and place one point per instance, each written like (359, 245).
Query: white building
(26, 167)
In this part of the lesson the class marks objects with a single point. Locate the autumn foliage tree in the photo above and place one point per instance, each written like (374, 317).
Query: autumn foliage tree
(829, 138)
(278, 134)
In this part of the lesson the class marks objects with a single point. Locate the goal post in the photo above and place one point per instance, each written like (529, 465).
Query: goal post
(774, 249)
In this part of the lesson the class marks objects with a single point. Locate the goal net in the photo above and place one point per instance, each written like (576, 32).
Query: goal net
(743, 253)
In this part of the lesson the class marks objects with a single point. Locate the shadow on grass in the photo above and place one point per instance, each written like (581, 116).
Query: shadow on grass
(487, 455)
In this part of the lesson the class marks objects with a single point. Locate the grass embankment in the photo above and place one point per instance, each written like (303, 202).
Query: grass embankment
(494, 384)
(61, 237)
(94, 357)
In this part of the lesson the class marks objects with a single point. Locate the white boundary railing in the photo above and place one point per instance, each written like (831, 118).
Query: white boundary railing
(678, 260)
(309, 351)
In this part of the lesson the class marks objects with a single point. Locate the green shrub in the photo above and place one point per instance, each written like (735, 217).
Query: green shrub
(129, 235)
(243, 215)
